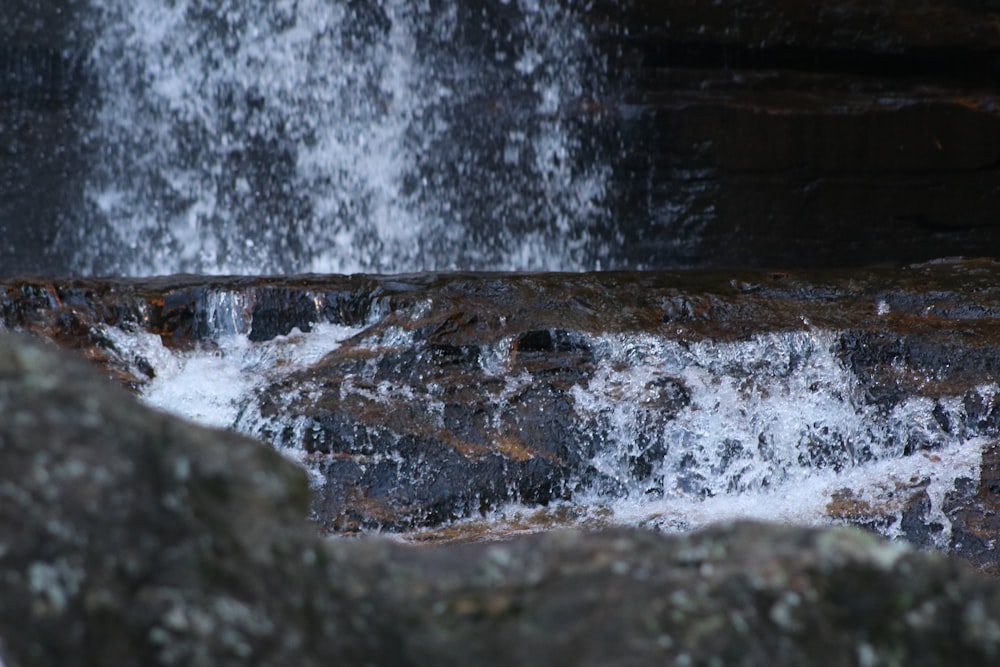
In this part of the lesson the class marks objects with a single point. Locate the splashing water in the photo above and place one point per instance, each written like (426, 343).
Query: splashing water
(769, 428)
(689, 432)
(309, 136)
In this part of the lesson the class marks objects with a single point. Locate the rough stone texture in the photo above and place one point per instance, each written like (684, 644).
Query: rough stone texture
(743, 594)
(128, 537)
(131, 538)
(974, 511)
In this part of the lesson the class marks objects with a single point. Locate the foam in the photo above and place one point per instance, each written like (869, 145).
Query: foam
(772, 427)
(775, 425)
(754, 406)
(216, 383)
(807, 501)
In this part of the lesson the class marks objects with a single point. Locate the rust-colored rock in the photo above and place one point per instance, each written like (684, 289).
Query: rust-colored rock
(462, 392)
(974, 510)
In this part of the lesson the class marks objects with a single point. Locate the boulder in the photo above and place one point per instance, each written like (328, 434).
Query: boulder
(132, 538)
(744, 594)
(128, 537)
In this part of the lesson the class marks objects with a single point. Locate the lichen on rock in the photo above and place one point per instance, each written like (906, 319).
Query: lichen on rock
(136, 538)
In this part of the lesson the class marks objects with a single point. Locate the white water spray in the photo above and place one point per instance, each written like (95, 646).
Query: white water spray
(294, 136)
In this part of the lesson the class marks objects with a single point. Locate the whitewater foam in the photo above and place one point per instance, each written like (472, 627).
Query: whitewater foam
(774, 427)
(753, 412)
(215, 383)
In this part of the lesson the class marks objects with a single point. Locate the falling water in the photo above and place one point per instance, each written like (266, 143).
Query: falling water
(265, 136)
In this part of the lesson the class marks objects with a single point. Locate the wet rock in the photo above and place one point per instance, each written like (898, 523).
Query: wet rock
(440, 412)
(42, 81)
(804, 134)
(460, 393)
(974, 511)
(417, 435)
(905, 510)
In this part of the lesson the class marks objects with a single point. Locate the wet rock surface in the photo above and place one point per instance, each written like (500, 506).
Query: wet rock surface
(132, 538)
(457, 394)
(807, 134)
(973, 511)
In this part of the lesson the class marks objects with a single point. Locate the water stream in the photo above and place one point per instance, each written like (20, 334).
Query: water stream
(775, 427)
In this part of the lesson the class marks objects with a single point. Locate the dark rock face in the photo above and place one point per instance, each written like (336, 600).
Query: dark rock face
(42, 72)
(419, 434)
(807, 134)
(130, 538)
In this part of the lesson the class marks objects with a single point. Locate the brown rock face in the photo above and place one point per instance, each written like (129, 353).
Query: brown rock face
(974, 511)
(456, 394)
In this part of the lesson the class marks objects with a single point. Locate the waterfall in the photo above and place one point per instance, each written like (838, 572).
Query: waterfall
(259, 137)
(296, 136)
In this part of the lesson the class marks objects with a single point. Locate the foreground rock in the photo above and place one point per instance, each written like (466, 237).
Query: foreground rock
(130, 538)
(745, 594)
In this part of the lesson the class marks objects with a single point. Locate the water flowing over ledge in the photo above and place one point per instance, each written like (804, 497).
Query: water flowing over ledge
(443, 406)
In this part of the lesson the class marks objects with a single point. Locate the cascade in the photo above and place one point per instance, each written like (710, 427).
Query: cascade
(467, 402)
(310, 136)
(291, 137)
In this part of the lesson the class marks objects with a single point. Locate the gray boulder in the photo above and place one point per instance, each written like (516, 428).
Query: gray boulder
(743, 594)
(128, 537)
